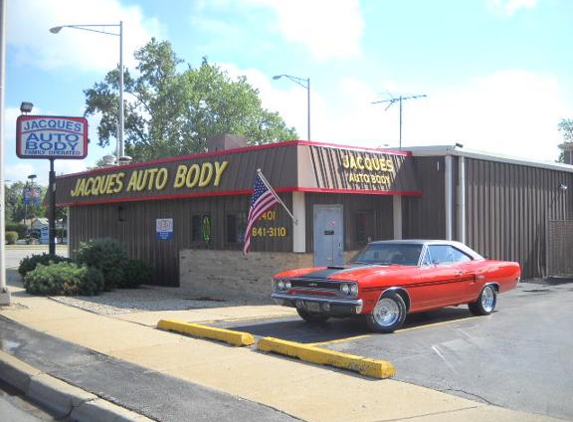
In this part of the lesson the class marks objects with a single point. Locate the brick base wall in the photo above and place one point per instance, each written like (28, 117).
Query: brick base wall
(230, 275)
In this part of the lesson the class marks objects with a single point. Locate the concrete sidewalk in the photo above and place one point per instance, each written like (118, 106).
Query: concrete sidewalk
(304, 391)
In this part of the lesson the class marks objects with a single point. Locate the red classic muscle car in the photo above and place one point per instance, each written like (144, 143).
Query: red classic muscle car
(389, 279)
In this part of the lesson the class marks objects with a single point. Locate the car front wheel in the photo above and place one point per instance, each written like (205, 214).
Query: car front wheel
(388, 314)
(486, 302)
(311, 316)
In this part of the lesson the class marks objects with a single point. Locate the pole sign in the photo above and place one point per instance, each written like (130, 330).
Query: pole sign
(51, 137)
(32, 195)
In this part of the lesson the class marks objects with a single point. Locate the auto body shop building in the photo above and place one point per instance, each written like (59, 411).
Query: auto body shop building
(187, 215)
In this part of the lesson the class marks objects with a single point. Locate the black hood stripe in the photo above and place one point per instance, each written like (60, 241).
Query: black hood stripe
(330, 271)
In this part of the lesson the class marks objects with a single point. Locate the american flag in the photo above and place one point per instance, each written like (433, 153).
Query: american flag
(263, 199)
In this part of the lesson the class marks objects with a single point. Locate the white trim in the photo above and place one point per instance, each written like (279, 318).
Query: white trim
(461, 199)
(448, 182)
(441, 150)
(299, 230)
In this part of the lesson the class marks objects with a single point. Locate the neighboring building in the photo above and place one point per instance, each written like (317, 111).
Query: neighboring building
(187, 215)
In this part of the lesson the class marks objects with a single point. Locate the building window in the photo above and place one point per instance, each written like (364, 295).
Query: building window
(364, 229)
(201, 228)
(235, 227)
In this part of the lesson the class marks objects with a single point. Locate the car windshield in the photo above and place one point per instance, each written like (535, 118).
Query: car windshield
(389, 254)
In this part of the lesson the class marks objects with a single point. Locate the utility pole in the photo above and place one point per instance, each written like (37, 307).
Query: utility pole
(399, 100)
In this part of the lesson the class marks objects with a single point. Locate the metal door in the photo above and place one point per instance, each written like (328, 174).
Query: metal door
(328, 235)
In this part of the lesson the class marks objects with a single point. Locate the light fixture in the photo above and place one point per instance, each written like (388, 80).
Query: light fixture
(305, 83)
(101, 29)
(563, 186)
(26, 107)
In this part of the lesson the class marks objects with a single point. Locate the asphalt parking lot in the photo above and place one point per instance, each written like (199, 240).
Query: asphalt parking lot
(520, 357)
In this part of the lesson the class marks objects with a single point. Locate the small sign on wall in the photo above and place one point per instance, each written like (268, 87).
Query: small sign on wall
(164, 228)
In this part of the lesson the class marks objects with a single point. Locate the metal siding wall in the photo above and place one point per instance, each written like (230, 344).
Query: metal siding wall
(508, 207)
(381, 205)
(424, 217)
(137, 231)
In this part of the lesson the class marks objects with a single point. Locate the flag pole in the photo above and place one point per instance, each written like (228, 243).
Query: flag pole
(267, 184)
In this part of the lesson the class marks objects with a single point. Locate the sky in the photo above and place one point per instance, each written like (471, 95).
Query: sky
(496, 74)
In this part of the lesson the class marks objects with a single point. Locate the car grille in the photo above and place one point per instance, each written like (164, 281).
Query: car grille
(315, 287)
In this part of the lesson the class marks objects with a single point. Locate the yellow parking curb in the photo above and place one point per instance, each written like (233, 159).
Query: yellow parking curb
(368, 367)
(235, 338)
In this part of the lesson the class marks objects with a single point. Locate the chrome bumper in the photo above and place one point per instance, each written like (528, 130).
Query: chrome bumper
(327, 305)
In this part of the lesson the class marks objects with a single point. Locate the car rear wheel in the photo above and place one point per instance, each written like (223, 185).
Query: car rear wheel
(388, 314)
(312, 316)
(486, 301)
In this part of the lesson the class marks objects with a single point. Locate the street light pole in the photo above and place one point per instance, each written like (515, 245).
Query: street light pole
(305, 83)
(120, 140)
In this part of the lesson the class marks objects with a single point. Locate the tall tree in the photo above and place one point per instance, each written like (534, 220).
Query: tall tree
(171, 113)
(566, 129)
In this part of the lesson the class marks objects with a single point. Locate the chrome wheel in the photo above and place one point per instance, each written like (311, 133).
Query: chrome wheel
(386, 312)
(488, 299)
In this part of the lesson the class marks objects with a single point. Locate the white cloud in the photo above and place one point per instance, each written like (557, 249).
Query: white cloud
(29, 22)
(511, 112)
(328, 29)
(508, 8)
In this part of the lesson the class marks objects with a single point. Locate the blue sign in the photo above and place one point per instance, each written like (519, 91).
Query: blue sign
(164, 228)
(32, 195)
(44, 235)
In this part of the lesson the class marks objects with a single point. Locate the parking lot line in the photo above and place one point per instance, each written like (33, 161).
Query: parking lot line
(435, 324)
(340, 340)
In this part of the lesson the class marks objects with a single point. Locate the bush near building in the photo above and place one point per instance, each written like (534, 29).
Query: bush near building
(30, 262)
(135, 273)
(64, 278)
(19, 228)
(46, 274)
(11, 237)
(109, 255)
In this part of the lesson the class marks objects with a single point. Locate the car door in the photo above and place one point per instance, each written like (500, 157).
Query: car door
(444, 279)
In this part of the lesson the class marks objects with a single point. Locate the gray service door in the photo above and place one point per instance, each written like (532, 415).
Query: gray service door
(328, 235)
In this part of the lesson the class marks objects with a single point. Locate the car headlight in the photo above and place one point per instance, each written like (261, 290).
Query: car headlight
(282, 284)
(349, 289)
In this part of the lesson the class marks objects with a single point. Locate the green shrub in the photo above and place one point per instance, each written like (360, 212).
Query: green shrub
(136, 272)
(19, 228)
(64, 278)
(108, 255)
(30, 262)
(11, 237)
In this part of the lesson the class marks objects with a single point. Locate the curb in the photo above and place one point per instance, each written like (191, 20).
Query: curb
(60, 397)
(235, 338)
(367, 367)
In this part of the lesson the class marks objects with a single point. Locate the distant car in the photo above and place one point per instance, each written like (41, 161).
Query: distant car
(388, 280)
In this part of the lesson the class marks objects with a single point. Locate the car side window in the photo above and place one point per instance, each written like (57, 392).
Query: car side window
(447, 255)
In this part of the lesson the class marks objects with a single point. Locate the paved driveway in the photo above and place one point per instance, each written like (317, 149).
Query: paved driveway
(520, 357)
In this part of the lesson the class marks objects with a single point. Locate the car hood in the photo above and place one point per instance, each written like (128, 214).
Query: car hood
(345, 272)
